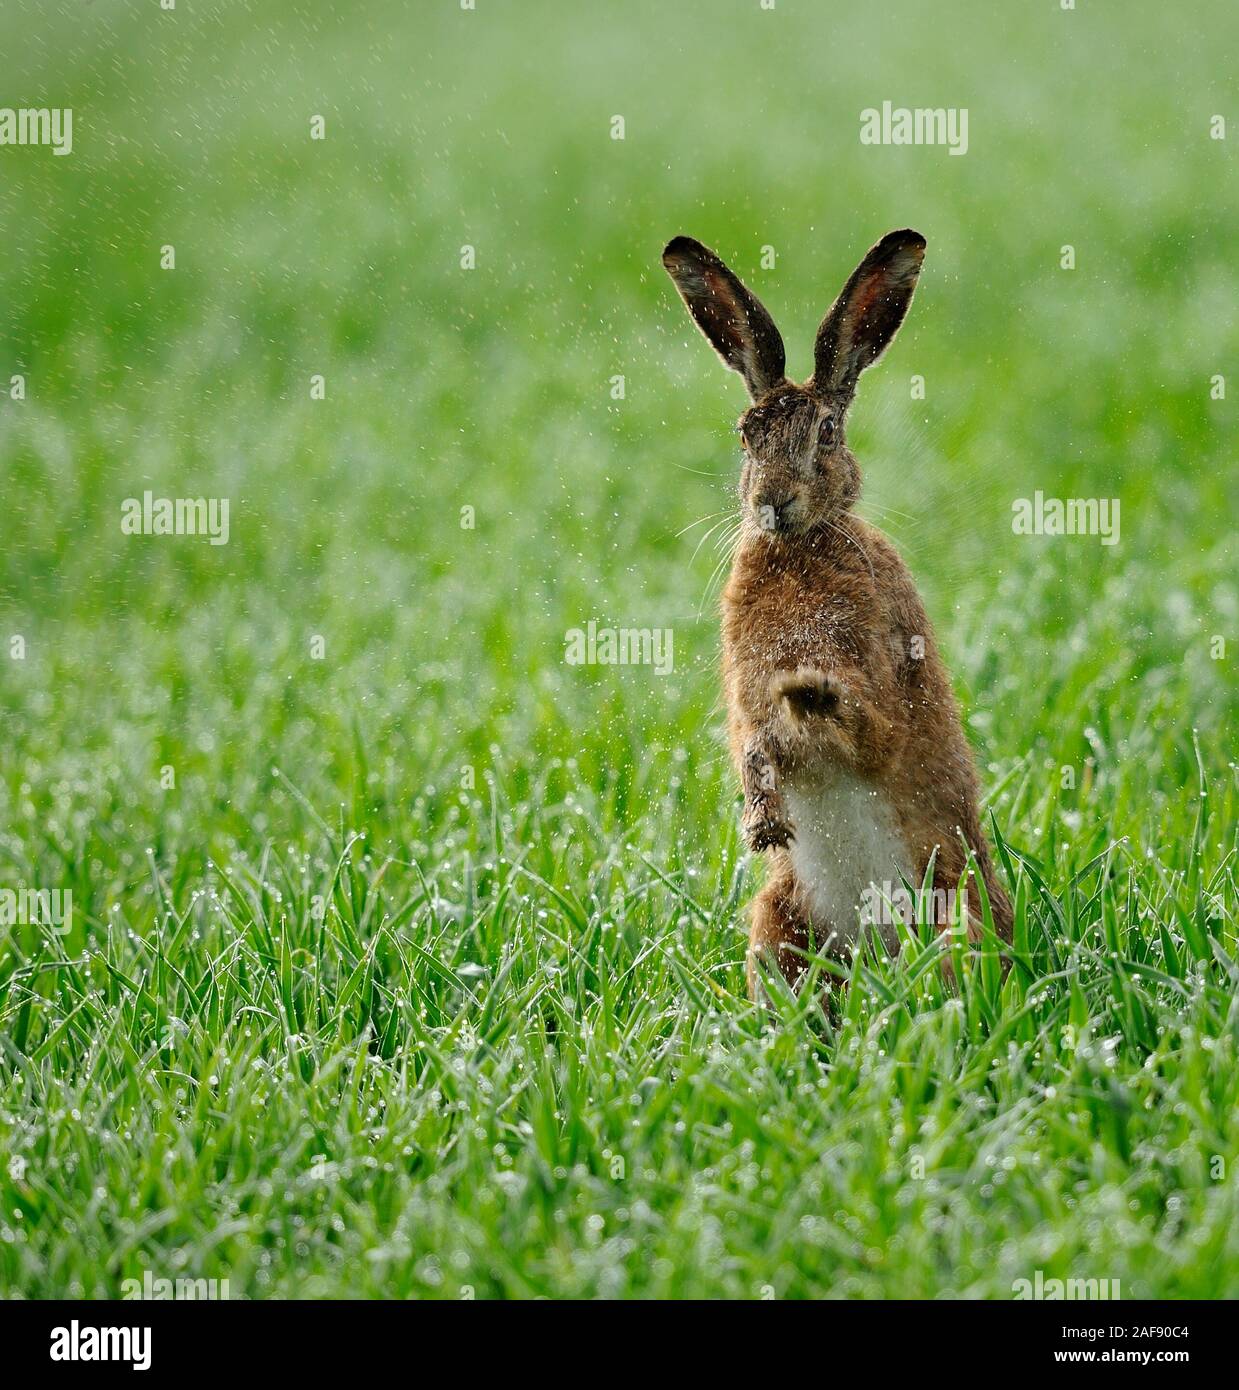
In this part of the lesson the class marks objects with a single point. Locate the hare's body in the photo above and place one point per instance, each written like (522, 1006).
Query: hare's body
(870, 789)
(843, 724)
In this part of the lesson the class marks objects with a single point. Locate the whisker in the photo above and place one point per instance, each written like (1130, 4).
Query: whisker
(847, 535)
(705, 537)
(724, 562)
(701, 472)
(871, 506)
(709, 516)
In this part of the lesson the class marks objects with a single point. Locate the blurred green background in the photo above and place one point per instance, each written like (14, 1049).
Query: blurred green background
(443, 723)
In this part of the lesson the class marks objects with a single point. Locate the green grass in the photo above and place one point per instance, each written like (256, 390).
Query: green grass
(512, 1053)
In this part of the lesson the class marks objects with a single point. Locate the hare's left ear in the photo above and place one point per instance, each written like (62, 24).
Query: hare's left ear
(736, 323)
(867, 313)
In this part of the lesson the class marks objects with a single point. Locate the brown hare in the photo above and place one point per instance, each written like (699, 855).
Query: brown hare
(842, 721)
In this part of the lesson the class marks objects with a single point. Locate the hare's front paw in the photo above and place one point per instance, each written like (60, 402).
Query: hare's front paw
(807, 692)
(765, 825)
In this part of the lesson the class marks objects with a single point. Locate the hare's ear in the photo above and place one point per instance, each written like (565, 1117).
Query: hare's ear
(867, 313)
(733, 319)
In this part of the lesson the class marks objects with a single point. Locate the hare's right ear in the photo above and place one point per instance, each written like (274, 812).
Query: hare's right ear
(733, 319)
(867, 313)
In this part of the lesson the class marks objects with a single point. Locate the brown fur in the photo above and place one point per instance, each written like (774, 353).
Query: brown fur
(829, 660)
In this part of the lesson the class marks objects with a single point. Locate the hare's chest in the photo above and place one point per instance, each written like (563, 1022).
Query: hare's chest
(848, 855)
(780, 628)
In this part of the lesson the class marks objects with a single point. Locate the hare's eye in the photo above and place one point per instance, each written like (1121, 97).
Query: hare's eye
(827, 431)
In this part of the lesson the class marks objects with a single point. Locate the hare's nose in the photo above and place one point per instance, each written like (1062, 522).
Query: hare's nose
(772, 510)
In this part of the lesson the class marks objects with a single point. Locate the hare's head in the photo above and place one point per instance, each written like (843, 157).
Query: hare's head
(798, 471)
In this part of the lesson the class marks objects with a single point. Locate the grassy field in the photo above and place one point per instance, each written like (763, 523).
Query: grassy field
(406, 958)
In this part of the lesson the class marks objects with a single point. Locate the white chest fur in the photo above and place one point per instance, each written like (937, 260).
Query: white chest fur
(847, 852)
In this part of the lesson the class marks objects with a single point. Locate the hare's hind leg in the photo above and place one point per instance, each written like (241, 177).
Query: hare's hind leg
(780, 931)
